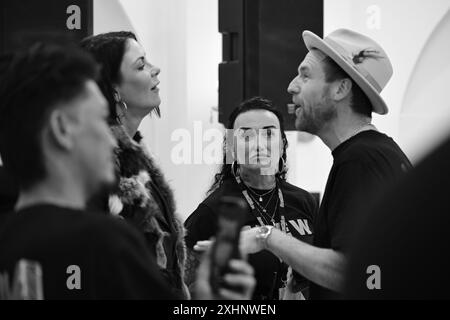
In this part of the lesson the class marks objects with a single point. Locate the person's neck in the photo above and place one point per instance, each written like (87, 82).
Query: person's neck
(131, 122)
(52, 192)
(254, 179)
(343, 128)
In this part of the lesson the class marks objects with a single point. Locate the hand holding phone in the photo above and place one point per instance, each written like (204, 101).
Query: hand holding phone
(232, 211)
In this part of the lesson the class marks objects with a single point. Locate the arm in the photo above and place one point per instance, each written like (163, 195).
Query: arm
(324, 267)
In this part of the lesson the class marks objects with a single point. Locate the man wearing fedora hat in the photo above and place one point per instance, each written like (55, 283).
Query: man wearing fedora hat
(336, 90)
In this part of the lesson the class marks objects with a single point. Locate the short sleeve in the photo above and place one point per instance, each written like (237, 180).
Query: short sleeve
(129, 272)
(353, 190)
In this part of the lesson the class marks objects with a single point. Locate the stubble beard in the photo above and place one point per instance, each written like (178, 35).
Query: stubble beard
(313, 119)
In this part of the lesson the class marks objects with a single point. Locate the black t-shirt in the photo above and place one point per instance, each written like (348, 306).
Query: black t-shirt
(113, 260)
(300, 208)
(407, 237)
(8, 192)
(363, 166)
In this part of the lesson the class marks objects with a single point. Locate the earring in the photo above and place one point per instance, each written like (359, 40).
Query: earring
(234, 171)
(281, 165)
(122, 106)
(119, 100)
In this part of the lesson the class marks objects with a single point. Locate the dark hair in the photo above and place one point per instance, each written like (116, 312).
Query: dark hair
(360, 103)
(109, 49)
(32, 83)
(255, 103)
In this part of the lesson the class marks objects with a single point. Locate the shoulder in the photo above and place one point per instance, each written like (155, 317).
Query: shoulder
(370, 146)
(293, 190)
(109, 232)
(73, 228)
(229, 187)
(202, 223)
(372, 153)
(365, 144)
(369, 142)
(298, 198)
(206, 209)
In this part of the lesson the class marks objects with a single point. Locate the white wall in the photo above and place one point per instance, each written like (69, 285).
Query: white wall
(417, 93)
(181, 37)
(425, 110)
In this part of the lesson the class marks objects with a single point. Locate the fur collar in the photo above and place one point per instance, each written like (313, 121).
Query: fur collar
(141, 182)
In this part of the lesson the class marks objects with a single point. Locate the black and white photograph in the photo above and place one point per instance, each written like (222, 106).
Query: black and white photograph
(224, 158)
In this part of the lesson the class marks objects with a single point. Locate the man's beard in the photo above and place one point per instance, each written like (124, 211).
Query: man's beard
(312, 120)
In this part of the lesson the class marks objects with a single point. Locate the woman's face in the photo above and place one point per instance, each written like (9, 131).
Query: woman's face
(138, 87)
(258, 143)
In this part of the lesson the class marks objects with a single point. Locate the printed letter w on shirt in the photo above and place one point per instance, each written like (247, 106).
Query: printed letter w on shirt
(302, 227)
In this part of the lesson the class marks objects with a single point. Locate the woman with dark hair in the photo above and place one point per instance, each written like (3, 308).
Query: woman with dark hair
(254, 169)
(142, 197)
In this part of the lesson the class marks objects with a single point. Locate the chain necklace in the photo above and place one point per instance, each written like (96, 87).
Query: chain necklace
(260, 196)
(272, 216)
(267, 218)
(283, 226)
(264, 209)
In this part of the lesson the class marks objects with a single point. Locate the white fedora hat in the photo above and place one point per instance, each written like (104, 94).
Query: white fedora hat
(360, 57)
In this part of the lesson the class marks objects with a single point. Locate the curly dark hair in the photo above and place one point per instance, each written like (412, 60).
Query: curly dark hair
(255, 103)
(109, 49)
(33, 83)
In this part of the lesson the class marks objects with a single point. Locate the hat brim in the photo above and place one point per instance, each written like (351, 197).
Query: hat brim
(313, 41)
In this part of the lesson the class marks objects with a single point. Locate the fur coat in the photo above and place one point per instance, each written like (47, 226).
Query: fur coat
(141, 183)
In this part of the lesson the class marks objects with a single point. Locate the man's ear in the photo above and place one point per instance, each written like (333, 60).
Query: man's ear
(342, 89)
(60, 128)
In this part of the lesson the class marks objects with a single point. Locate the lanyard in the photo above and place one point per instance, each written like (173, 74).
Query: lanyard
(283, 226)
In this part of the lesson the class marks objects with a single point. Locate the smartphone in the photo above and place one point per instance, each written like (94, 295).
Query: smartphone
(232, 212)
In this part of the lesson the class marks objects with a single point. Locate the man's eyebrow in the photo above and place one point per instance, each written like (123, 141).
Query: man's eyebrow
(303, 69)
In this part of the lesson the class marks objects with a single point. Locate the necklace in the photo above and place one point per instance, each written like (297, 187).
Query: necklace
(255, 210)
(260, 195)
(260, 205)
(267, 218)
(272, 216)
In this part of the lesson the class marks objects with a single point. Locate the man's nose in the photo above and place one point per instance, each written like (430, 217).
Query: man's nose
(293, 87)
